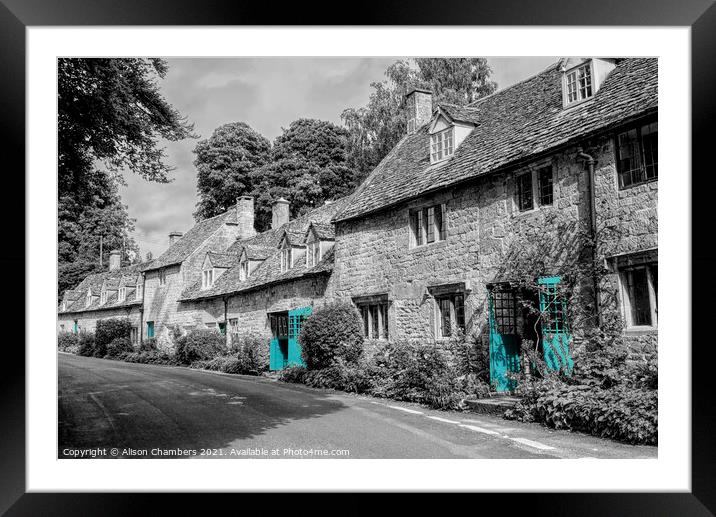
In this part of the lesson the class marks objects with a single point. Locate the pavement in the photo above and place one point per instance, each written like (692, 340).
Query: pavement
(114, 409)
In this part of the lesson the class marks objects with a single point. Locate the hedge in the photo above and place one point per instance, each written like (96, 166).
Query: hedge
(331, 332)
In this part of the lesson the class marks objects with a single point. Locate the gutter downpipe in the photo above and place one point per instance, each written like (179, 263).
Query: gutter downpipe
(141, 311)
(226, 322)
(581, 155)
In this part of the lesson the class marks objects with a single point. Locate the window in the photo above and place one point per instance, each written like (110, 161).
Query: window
(427, 225)
(103, 297)
(134, 335)
(441, 145)
(122, 294)
(138, 292)
(579, 83)
(504, 310)
(525, 200)
(244, 270)
(450, 313)
(640, 288)
(162, 277)
(222, 328)
(286, 258)
(234, 329)
(637, 155)
(207, 278)
(63, 307)
(150, 329)
(544, 185)
(313, 253)
(411, 122)
(375, 320)
(88, 300)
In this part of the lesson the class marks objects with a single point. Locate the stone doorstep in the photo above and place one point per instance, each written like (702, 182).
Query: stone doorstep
(493, 405)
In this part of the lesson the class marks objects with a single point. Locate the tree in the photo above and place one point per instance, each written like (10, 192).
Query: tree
(111, 116)
(224, 164)
(376, 128)
(308, 168)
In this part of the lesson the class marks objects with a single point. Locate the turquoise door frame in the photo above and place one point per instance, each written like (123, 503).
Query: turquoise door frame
(556, 338)
(150, 329)
(504, 341)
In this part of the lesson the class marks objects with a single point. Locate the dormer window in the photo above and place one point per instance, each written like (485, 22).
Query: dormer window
(286, 258)
(122, 294)
(103, 298)
(207, 278)
(442, 145)
(88, 299)
(138, 292)
(313, 253)
(64, 306)
(579, 83)
(244, 270)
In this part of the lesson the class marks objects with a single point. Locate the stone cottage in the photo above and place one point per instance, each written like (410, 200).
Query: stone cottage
(532, 182)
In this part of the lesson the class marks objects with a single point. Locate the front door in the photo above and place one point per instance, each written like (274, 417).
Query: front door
(504, 341)
(555, 334)
(150, 329)
(278, 351)
(296, 317)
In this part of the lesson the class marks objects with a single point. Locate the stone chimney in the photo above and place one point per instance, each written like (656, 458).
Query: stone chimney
(115, 260)
(245, 217)
(279, 216)
(174, 236)
(420, 108)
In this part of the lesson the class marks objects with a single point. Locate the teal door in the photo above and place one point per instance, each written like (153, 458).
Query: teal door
(278, 349)
(76, 328)
(504, 341)
(150, 329)
(555, 334)
(296, 317)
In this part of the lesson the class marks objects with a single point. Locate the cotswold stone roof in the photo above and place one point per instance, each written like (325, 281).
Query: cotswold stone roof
(254, 252)
(95, 282)
(192, 240)
(223, 260)
(512, 125)
(324, 231)
(269, 271)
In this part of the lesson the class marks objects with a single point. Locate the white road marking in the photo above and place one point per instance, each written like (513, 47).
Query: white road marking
(406, 410)
(531, 443)
(444, 420)
(479, 429)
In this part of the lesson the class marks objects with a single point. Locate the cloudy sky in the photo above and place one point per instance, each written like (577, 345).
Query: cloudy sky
(267, 94)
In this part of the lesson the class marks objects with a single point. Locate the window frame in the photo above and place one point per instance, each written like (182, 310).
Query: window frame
(519, 181)
(534, 173)
(427, 222)
(456, 313)
(121, 294)
(286, 258)
(243, 270)
(567, 83)
(138, 292)
(443, 143)
(624, 273)
(642, 167)
(375, 316)
(162, 276)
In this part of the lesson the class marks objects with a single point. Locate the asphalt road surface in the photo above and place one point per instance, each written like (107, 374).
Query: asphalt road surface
(137, 411)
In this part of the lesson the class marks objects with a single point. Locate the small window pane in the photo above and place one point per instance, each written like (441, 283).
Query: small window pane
(459, 303)
(638, 292)
(430, 217)
(524, 192)
(374, 321)
(384, 314)
(445, 324)
(545, 186)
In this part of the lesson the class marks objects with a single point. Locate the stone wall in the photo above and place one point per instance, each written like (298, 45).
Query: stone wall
(87, 321)
(486, 235)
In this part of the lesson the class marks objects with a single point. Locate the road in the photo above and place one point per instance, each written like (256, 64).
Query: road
(137, 410)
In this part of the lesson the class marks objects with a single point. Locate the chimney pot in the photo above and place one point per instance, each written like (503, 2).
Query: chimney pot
(420, 108)
(245, 217)
(280, 213)
(115, 260)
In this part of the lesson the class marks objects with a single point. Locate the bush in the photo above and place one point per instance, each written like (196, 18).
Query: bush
(68, 342)
(199, 345)
(341, 376)
(148, 357)
(110, 329)
(225, 364)
(333, 331)
(293, 374)
(252, 353)
(118, 346)
(148, 345)
(621, 413)
(86, 344)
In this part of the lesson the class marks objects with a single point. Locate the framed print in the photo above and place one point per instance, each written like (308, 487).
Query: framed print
(426, 241)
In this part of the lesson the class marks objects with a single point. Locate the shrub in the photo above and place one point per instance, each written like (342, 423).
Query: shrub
(148, 345)
(86, 344)
(341, 376)
(252, 353)
(110, 329)
(331, 332)
(68, 342)
(225, 364)
(621, 413)
(293, 374)
(119, 346)
(148, 357)
(199, 345)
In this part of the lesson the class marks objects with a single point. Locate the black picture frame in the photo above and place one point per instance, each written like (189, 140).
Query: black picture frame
(700, 15)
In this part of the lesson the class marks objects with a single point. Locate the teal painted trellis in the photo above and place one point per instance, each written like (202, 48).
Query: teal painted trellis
(504, 341)
(556, 338)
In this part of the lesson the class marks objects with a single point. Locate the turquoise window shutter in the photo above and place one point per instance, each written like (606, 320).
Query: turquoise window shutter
(150, 329)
